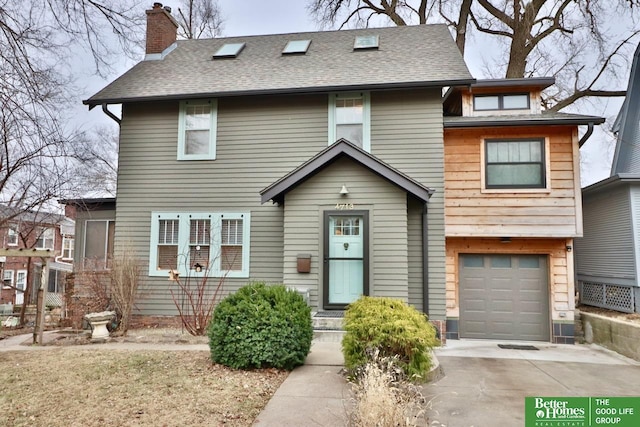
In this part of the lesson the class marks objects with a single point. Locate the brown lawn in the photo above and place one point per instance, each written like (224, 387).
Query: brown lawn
(93, 387)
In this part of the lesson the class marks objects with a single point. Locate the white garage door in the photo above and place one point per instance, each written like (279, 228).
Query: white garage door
(504, 297)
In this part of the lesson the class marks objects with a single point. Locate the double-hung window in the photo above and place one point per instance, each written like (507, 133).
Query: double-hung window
(197, 128)
(7, 279)
(350, 118)
(199, 244)
(67, 247)
(12, 237)
(46, 239)
(518, 163)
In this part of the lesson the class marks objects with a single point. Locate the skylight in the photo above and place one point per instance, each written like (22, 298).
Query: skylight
(366, 42)
(229, 50)
(296, 46)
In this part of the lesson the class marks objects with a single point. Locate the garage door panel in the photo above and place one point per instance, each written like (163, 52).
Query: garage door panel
(504, 297)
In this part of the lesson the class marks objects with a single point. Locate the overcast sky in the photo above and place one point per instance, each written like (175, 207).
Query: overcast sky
(253, 17)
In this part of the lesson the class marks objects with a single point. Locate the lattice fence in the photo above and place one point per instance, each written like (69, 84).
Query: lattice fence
(614, 297)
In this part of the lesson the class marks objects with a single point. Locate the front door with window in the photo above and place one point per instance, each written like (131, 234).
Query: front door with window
(345, 258)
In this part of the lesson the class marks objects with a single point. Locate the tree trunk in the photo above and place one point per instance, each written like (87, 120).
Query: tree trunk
(461, 27)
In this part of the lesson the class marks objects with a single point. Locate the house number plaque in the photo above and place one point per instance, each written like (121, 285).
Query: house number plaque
(344, 206)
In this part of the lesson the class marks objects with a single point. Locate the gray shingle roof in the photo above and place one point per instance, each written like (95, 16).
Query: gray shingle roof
(408, 56)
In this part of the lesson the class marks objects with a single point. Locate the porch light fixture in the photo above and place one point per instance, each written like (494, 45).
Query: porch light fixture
(505, 240)
(569, 248)
(197, 267)
(344, 191)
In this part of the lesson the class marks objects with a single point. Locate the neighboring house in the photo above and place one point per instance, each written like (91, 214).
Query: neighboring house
(35, 230)
(327, 161)
(608, 257)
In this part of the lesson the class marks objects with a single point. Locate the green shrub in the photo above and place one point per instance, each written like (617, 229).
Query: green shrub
(261, 326)
(391, 328)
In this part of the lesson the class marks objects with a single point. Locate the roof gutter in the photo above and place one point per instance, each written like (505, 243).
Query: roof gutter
(283, 91)
(586, 135)
(110, 114)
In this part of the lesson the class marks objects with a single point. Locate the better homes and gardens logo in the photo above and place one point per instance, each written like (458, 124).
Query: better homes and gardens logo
(582, 411)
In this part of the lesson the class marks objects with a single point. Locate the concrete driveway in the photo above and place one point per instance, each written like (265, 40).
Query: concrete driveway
(485, 385)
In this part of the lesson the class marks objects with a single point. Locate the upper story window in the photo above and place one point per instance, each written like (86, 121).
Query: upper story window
(67, 247)
(350, 118)
(199, 244)
(515, 163)
(12, 237)
(515, 101)
(98, 243)
(197, 128)
(46, 239)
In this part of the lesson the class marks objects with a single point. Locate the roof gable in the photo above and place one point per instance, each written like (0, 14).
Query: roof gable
(626, 158)
(342, 148)
(407, 56)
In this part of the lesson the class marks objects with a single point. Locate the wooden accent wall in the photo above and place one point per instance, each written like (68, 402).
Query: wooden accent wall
(472, 211)
(561, 268)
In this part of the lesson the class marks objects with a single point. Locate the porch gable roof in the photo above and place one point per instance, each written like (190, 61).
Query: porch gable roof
(343, 148)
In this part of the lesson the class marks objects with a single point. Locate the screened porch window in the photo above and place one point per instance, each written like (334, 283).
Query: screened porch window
(98, 243)
(515, 163)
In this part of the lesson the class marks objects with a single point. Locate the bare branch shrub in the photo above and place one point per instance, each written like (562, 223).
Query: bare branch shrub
(383, 397)
(125, 282)
(195, 300)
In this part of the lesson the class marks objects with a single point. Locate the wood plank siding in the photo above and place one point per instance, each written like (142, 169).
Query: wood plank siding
(606, 252)
(561, 280)
(471, 210)
(259, 140)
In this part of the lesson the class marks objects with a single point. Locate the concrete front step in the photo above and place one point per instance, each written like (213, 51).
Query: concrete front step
(325, 335)
(328, 327)
(320, 321)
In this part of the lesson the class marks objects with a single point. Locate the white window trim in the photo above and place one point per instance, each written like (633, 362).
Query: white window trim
(483, 164)
(12, 279)
(213, 125)
(18, 273)
(183, 243)
(44, 239)
(366, 116)
(15, 233)
(66, 239)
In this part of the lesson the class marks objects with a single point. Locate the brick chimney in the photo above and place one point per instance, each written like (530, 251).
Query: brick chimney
(162, 29)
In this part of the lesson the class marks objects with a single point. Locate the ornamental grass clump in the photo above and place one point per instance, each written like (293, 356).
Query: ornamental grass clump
(391, 328)
(261, 326)
(383, 397)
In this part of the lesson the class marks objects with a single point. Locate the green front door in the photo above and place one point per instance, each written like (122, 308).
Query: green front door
(345, 258)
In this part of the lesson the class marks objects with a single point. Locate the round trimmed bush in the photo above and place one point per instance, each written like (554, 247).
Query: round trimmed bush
(261, 326)
(391, 327)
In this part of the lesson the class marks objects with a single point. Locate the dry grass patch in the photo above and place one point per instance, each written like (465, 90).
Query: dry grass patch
(93, 387)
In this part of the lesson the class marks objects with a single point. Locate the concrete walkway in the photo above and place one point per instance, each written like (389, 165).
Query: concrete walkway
(315, 394)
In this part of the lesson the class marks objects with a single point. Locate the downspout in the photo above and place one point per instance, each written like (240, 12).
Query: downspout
(110, 114)
(586, 135)
(425, 261)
